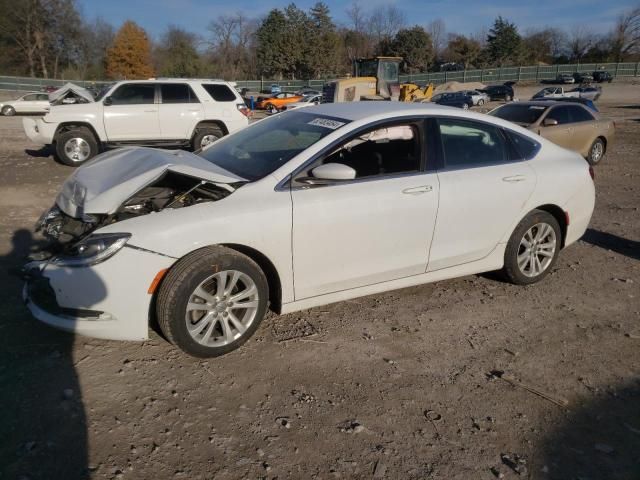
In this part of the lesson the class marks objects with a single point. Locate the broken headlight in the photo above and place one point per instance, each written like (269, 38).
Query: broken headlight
(92, 250)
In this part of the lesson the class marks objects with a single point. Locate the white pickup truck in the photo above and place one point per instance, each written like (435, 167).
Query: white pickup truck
(160, 113)
(590, 93)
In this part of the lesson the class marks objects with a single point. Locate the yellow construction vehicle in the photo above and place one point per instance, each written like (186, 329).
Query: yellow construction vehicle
(374, 79)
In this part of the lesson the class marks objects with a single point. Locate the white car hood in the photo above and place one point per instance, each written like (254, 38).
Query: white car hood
(103, 184)
(71, 87)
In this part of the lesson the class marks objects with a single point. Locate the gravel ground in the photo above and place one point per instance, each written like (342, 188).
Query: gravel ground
(394, 386)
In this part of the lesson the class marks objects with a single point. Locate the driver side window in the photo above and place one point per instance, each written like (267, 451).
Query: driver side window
(381, 151)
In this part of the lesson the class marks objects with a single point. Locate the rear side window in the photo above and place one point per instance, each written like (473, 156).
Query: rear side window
(579, 114)
(523, 148)
(177, 93)
(219, 92)
(472, 144)
(134, 94)
(560, 114)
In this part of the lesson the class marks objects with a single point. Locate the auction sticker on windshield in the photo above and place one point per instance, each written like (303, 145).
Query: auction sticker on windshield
(326, 123)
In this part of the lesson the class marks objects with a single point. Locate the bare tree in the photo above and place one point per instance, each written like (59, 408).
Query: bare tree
(580, 41)
(384, 22)
(437, 31)
(626, 35)
(357, 16)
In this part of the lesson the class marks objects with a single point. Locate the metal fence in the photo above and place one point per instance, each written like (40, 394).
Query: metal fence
(487, 75)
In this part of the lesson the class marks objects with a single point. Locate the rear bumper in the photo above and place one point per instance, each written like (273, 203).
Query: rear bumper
(580, 208)
(39, 131)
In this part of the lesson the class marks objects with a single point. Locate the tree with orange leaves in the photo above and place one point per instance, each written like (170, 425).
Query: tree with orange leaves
(129, 56)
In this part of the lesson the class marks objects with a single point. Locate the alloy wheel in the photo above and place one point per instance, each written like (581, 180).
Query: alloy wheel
(222, 308)
(207, 140)
(537, 249)
(77, 149)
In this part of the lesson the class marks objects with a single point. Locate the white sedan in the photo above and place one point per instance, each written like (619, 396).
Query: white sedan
(29, 103)
(302, 209)
(307, 101)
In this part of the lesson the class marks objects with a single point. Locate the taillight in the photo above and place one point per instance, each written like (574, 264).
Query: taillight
(592, 173)
(243, 109)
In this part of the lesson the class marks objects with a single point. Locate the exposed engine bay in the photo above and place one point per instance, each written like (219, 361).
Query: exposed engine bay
(172, 190)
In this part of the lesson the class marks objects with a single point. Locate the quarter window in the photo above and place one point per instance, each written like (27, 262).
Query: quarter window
(177, 93)
(134, 94)
(219, 92)
(470, 144)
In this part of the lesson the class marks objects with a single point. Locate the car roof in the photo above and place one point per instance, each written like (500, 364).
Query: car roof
(360, 110)
(177, 80)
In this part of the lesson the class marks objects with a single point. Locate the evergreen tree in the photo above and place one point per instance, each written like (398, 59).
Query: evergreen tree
(414, 46)
(503, 43)
(177, 55)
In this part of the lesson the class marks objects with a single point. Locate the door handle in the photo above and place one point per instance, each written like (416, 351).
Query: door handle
(514, 178)
(150, 111)
(417, 190)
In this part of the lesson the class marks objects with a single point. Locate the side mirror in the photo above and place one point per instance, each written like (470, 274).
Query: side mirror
(550, 122)
(108, 101)
(329, 173)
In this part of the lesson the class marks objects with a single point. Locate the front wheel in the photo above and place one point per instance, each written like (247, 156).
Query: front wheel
(481, 102)
(272, 108)
(76, 146)
(8, 111)
(508, 98)
(596, 152)
(465, 106)
(532, 249)
(212, 301)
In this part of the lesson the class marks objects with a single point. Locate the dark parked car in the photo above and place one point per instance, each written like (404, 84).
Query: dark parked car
(499, 92)
(455, 99)
(584, 101)
(583, 77)
(601, 76)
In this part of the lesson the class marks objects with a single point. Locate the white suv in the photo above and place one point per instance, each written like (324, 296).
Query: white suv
(159, 113)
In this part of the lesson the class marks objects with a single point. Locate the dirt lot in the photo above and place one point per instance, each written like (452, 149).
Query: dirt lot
(392, 386)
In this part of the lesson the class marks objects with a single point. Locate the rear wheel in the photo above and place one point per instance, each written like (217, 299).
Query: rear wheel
(206, 135)
(481, 102)
(596, 152)
(508, 98)
(465, 106)
(76, 146)
(532, 249)
(271, 108)
(212, 301)
(9, 111)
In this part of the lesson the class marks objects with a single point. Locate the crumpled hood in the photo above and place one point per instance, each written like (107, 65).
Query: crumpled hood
(71, 87)
(101, 185)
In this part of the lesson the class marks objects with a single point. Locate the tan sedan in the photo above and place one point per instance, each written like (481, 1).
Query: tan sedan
(570, 125)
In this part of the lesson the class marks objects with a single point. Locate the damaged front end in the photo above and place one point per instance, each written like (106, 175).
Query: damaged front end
(66, 233)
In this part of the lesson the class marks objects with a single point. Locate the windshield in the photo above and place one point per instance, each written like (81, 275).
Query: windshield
(521, 114)
(265, 146)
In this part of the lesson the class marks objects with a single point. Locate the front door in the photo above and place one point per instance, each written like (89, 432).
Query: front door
(131, 113)
(374, 228)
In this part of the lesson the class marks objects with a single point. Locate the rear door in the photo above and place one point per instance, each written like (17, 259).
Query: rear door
(179, 111)
(484, 186)
(131, 113)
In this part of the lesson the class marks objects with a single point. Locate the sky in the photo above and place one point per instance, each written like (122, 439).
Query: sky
(460, 16)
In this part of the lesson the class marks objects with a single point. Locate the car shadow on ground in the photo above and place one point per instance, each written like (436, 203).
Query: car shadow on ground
(43, 152)
(597, 440)
(630, 107)
(42, 419)
(609, 241)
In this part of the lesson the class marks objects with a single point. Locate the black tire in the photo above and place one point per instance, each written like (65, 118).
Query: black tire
(508, 98)
(481, 102)
(75, 133)
(204, 132)
(271, 108)
(597, 151)
(179, 286)
(511, 269)
(8, 111)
